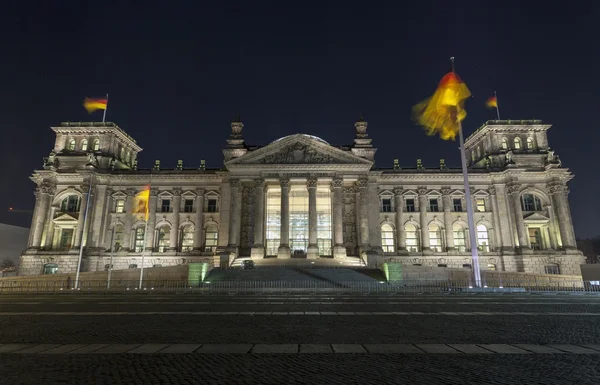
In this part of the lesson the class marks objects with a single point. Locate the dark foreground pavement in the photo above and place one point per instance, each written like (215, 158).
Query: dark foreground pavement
(524, 339)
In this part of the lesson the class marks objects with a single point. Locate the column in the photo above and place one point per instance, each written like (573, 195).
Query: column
(495, 219)
(358, 216)
(559, 194)
(423, 218)
(235, 216)
(85, 189)
(513, 191)
(400, 234)
(128, 219)
(502, 214)
(362, 185)
(313, 247)
(374, 222)
(447, 203)
(39, 220)
(552, 226)
(174, 238)
(199, 223)
(50, 227)
(96, 227)
(258, 248)
(284, 237)
(151, 219)
(339, 250)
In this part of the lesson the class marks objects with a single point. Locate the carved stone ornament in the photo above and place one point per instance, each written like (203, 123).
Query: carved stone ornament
(92, 160)
(492, 190)
(446, 190)
(200, 192)
(176, 191)
(109, 192)
(47, 188)
(311, 182)
(153, 192)
(259, 183)
(131, 192)
(284, 183)
(422, 190)
(398, 191)
(337, 183)
(85, 188)
(513, 188)
(297, 153)
(362, 182)
(557, 188)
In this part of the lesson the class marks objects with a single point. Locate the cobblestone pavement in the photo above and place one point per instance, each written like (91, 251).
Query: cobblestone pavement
(289, 320)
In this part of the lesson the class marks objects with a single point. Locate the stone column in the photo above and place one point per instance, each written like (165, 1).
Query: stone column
(50, 227)
(362, 185)
(374, 221)
(85, 189)
(151, 219)
(39, 220)
(313, 247)
(284, 237)
(514, 193)
(423, 218)
(174, 238)
(258, 248)
(199, 223)
(400, 234)
(447, 203)
(554, 232)
(502, 214)
(235, 216)
(559, 193)
(128, 219)
(339, 250)
(495, 219)
(358, 216)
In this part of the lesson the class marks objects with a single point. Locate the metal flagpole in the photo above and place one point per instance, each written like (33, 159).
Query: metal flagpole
(470, 221)
(85, 214)
(497, 109)
(145, 232)
(104, 115)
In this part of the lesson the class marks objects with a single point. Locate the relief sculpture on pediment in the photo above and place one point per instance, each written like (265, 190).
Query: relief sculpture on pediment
(297, 153)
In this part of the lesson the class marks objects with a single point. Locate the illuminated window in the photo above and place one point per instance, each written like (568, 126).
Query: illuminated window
(460, 237)
(122, 154)
(120, 206)
(517, 143)
(298, 218)
(139, 239)
(50, 268)
(118, 239)
(483, 238)
(84, 145)
(491, 267)
(187, 238)
(530, 202)
(435, 238)
(504, 144)
(71, 146)
(412, 237)
(128, 157)
(387, 238)
(535, 238)
(211, 237)
(273, 220)
(96, 146)
(480, 204)
(164, 238)
(530, 143)
(324, 220)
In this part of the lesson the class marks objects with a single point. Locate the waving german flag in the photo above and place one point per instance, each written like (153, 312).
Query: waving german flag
(91, 104)
(444, 110)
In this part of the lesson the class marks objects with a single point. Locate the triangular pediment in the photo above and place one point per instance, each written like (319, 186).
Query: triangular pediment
(296, 150)
(65, 218)
(536, 218)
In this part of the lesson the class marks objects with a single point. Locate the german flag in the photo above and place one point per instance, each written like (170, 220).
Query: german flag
(492, 102)
(140, 202)
(93, 104)
(444, 110)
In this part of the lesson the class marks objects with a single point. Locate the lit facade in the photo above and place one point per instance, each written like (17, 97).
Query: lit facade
(300, 197)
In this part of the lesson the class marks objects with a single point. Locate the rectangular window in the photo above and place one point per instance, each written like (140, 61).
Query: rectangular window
(66, 239)
(165, 206)
(212, 206)
(552, 269)
(120, 206)
(298, 219)
(410, 205)
(480, 204)
(386, 205)
(188, 206)
(535, 238)
(457, 202)
(273, 222)
(433, 205)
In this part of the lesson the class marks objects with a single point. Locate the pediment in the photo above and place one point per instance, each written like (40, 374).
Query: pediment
(536, 218)
(65, 218)
(298, 150)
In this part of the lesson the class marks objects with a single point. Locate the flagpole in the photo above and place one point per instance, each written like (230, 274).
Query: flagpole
(497, 109)
(85, 214)
(470, 221)
(145, 232)
(104, 115)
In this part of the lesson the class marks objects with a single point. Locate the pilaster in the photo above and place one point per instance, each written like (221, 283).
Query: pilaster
(339, 250)
(235, 215)
(313, 248)
(284, 244)
(82, 211)
(258, 247)
(199, 222)
(400, 233)
(174, 235)
(514, 190)
(423, 218)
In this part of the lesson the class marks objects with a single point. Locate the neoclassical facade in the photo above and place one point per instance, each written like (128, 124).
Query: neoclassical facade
(301, 197)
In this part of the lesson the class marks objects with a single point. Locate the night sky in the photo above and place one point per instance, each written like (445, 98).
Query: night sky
(177, 75)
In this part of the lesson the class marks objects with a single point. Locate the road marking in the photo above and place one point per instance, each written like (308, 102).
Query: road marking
(294, 348)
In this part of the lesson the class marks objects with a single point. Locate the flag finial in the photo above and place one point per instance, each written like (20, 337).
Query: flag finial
(452, 63)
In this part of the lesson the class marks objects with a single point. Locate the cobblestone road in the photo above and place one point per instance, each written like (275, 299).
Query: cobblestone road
(301, 319)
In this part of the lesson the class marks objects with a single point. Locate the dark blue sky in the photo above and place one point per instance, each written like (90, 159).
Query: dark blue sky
(177, 75)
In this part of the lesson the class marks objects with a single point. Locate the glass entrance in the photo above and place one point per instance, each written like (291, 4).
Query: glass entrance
(298, 219)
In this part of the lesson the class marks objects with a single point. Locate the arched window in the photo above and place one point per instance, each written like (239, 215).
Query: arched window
(473, 156)
(128, 157)
(529, 143)
(211, 236)
(460, 237)
(478, 152)
(164, 238)
(530, 202)
(139, 239)
(70, 204)
(412, 237)
(187, 238)
(122, 154)
(71, 146)
(84, 145)
(517, 143)
(435, 238)
(483, 238)
(96, 146)
(504, 144)
(118, 239)
(387, 238)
